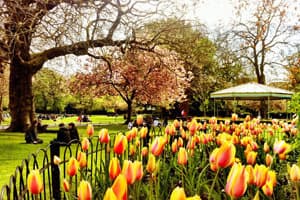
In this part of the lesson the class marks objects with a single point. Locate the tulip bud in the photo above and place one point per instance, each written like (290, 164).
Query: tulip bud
(120, 144)
(269, 160)
(72, 167)
(119, 187)
(104, 136)
(236, 184)
(81, 158)
(144, 151)
(138, 167)
(128, 171)
(139, 120)
(90, 130)
(178, 194)
(56, 160)
(251, 157)
(182, 156)
(295, 173)
(151, 165)
(114, 168)
(84, 191)
(34, 182)
(85, 143)
(110, 195)
(66, 185)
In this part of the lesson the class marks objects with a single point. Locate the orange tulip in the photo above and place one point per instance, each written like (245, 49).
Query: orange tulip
(104, 136)
(138, 168)
(72, 167)
(236, 184)
(176, 124)
(271, 177)
(151, 165)
(268, 189)
(81, 158)
(119, 187)
(66, 185)
(225, 155)
(180, 142)
(174, 146)
(90, 130)
(139, 120)
(192, 126)
(84, 191)
(128, 171)
(182, 156)
(144, 151)
(212, 159)
(120, 144)
(134, 132)
(170, 129)
(269, 160)
(132, 150)
(85, 143)
(143, 132)
(234, 117)
(157, 146)
(251, 157)
(260, 175)
(295, 173)
(266, 147)
(34, 182)
(110, 195)
(114, 168)
(178, 194)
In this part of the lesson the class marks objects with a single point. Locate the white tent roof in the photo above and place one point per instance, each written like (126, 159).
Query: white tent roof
(252, 91)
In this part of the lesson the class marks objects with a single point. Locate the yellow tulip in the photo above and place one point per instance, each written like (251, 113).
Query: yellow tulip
(120, 144)
(114, 168)
(84, 191)
(110, 195)
(151, 165)
(182, 156)
(90, 130)
(295, 173)
(178, 194)
(119, 187)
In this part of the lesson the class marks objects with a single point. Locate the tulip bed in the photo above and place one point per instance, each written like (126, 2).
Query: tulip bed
(226, 160)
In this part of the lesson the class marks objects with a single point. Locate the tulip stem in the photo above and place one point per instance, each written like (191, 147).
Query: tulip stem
(297, 191)
(213, 184)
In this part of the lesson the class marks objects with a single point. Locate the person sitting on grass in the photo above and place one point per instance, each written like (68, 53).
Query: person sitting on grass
(73, 131)
(63, 134)
(31, 134)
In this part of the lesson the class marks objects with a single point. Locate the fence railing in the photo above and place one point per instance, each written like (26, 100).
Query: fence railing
(52, 175)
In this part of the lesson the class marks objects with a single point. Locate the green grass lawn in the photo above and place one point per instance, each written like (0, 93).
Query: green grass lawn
(13, 148)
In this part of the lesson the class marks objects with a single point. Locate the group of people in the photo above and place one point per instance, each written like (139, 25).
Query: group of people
(64, 134)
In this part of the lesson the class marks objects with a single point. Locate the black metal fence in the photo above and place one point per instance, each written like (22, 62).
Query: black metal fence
(52, 174)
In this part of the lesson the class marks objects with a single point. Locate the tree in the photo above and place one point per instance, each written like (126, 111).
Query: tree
(3, 90)
(137, 77)
(268, 27)
(33, 32)
(294, 71)
(49, 88)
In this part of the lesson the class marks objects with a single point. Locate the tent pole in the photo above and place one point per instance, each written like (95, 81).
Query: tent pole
(268, 107)
(214, 107)
(286, 108)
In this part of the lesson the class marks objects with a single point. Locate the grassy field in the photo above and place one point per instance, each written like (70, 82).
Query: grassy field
(13, 148)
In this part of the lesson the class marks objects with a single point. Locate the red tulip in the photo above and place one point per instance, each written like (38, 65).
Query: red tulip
(157, 146)
(223, 156)
(144, 151)
(174, 146)
(114, 168)
(72, 167)
(120, 144)
(104, 136)
(66, 185)
(34, 182)
(84, 191)
(236, 184)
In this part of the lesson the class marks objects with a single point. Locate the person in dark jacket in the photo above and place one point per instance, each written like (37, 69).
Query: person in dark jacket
(73, 131)
(31, 134)
(63, 134)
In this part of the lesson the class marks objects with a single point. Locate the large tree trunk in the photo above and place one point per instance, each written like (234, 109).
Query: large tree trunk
(20, 97)
(129, 110)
